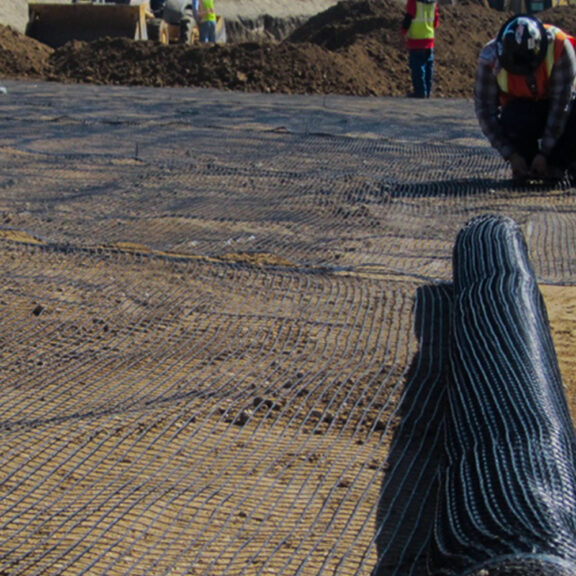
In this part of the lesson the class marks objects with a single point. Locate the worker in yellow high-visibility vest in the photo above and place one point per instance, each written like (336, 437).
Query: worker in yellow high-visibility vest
(205, 16)
(418, 28)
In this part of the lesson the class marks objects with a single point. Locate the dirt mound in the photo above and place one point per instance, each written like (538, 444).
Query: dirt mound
(352, 48)
(22, 57)
(283, 68)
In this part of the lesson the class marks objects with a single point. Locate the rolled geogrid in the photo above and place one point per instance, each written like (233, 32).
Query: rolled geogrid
(508, 491)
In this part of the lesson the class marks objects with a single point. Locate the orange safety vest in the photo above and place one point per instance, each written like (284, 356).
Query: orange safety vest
(516, 86)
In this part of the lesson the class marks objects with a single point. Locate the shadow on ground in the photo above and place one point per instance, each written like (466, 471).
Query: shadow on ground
(408, 496)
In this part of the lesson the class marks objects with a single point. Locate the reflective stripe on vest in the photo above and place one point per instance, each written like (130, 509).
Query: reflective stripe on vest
(207, 13)
(515, 85)
(422, 25)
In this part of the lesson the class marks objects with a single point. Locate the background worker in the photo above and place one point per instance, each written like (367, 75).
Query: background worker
(524, 97)
(418, 28)
(205, 16)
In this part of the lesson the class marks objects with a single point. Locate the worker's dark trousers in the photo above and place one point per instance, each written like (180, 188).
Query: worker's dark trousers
(422, 70)
(207, 31)
(524, 121)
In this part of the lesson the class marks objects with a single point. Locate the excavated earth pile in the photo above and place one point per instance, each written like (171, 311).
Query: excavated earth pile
(352, 48)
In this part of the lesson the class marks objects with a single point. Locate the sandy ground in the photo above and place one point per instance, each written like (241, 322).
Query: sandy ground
(208, 322)
(561, 305)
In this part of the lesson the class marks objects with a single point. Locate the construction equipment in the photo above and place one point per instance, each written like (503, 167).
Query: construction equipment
(172, 21)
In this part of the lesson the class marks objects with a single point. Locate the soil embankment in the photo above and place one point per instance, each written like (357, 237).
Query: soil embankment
(352, 48)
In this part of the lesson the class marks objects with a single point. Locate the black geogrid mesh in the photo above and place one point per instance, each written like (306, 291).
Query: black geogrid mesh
(208, 322)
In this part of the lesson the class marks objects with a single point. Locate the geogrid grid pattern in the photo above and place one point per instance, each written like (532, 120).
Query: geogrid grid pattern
(224, 325)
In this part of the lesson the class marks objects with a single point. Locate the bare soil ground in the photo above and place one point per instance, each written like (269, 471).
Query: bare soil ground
(207, 324)
(206, 328)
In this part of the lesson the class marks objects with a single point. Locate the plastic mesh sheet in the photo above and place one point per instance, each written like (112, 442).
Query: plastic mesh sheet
(223, 325)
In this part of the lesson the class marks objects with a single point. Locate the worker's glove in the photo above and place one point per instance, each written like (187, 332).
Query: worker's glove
(519, 167)
(539, 167)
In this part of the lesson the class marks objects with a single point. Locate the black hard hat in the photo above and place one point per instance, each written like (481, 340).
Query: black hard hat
(521, 44)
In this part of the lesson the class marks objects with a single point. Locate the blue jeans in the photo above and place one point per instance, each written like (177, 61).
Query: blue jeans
(422, 69)
(207, 31)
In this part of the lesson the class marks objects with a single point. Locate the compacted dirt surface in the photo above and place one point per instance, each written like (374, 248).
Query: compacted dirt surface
(224, 305)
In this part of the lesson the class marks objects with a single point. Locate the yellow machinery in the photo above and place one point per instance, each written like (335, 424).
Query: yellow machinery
(55, 24)
(167, 32)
